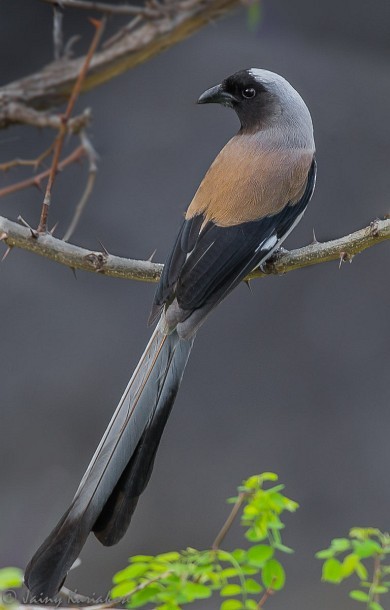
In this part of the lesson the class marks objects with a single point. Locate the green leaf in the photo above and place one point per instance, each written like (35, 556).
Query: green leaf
(361, 571)
(252, 586)
(249, 570)
(171, 556)
(10, 578)
(255, 534)
(367, 548)
(340, 544)
(239, 555)
(230, 590)
(283, 548)
(169, 605)
(268, 476)
(359, 596)
(140, 598)
(257, 555)
(134, 570)
(362, 533)
(273, 575)
(349, 565)
(379, 590)
(123, 589)
(229, 573)
(195, 590)
(375, 606)
(325, 554)
(332, 571)
(231, 604)
(254, 15)
(250, 604)
(141, 558)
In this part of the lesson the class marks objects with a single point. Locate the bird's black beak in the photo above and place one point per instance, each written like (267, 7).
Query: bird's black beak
(216, 95)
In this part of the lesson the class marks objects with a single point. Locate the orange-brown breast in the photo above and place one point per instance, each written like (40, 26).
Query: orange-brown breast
(247, 182)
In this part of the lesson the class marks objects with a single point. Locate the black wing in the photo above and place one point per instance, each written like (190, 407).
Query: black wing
(205, 265)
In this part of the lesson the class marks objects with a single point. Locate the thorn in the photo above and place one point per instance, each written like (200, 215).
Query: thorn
(247, 282)
(104, 248)
(315, 240)
(151, 257)
(34, 233)
(3, 235)
(37, 184)
(344, 257)
(74, 272)
(51, 231)
(8, 250)
(68, 50)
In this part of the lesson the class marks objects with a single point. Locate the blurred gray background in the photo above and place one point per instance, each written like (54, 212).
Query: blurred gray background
(292, 378)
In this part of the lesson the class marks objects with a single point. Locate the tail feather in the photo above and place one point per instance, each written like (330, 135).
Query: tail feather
(120, 468)
(116, 515)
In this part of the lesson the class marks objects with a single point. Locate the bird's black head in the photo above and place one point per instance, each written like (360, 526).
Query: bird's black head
(249, 95)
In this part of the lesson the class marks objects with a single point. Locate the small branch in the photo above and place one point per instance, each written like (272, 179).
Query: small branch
(146, 271)
(92, 173)
(76, 155)
(52, 85)
(229, 521)
(344, 249)
(35, 163)
(102, 7)
(75, 257)
(267, 594)
(99, 25)
(122, 32)
(14, 113)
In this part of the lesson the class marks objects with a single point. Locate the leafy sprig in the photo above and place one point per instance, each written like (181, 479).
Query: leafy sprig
(347, 557)
(170, 580)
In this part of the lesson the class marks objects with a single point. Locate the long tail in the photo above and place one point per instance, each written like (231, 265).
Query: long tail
(120, 468)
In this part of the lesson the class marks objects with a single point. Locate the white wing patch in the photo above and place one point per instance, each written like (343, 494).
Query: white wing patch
(268, 244)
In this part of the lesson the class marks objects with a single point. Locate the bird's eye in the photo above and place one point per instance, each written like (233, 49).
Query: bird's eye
(249, 92)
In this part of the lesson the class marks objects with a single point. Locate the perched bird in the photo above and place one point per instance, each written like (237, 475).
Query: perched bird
(251, 198)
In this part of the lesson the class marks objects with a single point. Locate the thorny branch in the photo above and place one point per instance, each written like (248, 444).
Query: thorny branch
(36, 180)
(342, 249)
(53, 84)
(99, 25)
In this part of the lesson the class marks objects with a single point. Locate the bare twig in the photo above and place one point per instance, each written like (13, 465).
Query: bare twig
(13, 113)
(92, 157)
(115, 266)
(74, 156)
(267, 594)
(99, 25)
(122, 32)
(102, 7)
(35, 163)
(229, 521)
(52, 85)
(58, 39)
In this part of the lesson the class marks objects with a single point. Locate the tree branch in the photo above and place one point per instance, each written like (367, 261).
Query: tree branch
(343, 249)
(58, 145)
(36, 180)
(102, 7)
(53, 84)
